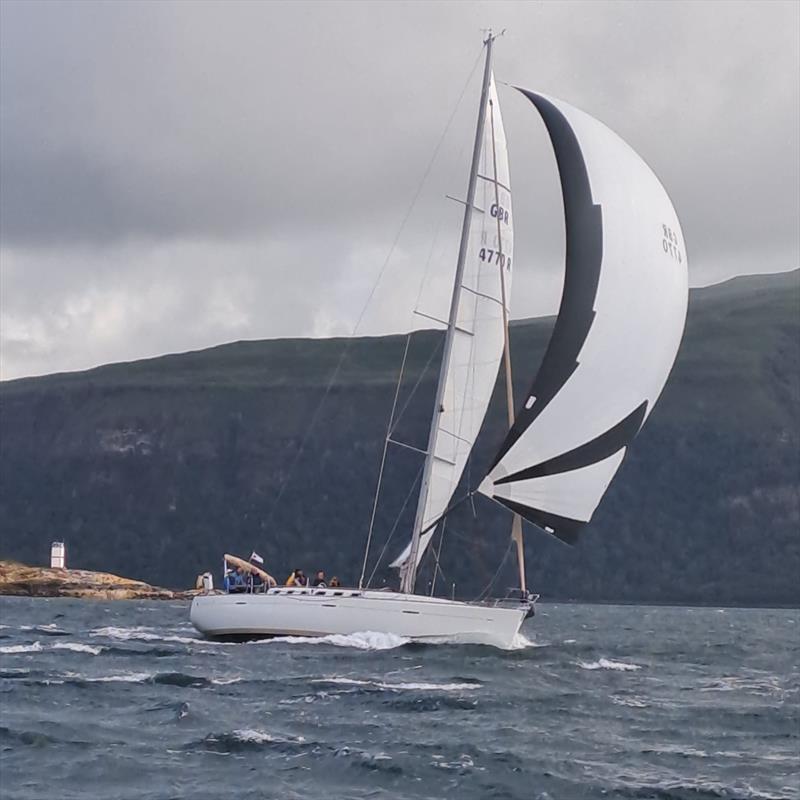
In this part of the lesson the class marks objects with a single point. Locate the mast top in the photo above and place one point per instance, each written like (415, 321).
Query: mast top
(490, 36)
(409, 569)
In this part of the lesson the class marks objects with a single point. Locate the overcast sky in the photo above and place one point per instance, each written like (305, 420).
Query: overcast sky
(179, 175)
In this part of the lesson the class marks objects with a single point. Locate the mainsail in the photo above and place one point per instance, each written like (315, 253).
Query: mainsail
(478, 337)
(617, 332)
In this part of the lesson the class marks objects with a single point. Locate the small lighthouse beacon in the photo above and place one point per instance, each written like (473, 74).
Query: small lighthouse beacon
(58, 555)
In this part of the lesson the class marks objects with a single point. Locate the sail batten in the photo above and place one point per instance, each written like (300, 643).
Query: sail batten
(617, 332)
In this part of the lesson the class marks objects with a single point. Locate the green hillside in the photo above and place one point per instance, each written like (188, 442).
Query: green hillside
(154, 468)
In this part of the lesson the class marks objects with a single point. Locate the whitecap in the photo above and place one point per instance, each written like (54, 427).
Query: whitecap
(606, 663)
(77, 647)
(22, 648)
(679, 750)
(630, 702)
(125, 677)
(767, 685)
(50, 627)
(433, 687)
(310, 698)
(144, 634)
(521, 642)
(463, 763)
(252, 736)
(113, 632)
(362, 640)
(785, 758)
(178, 639)
(416, 686)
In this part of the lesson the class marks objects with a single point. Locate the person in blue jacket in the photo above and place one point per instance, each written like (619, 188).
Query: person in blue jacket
(235, 582)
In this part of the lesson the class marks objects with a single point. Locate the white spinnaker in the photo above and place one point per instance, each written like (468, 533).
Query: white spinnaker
(478, 340)
(614, 345)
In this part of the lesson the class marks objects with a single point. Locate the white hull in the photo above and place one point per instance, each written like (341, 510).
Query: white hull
(320, 612)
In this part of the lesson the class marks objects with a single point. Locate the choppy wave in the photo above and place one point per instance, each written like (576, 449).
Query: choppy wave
(14, 674)
(360, 640)
(47, 630)
(374, 762)
(246, 739)
(607, 663)
(678, 750)
(124, 677)
(521, 642)
(463, 764)
(630, 702)
(178, 679)
(376, 640)
(34, 647)
(78, 647)
(73, 647)
(365, 640)
(695, 790)
(141, 652)
(765, 685)
(144, 634)
(262, 737)
(399, 687)
(34, 739)
(687, 705)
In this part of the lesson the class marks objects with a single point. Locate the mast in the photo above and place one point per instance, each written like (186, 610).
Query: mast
(516, 525)
(409, 575)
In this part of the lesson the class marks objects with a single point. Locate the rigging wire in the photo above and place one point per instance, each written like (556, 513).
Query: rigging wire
(437, 554)
(394, 527)
(437, 570)
(421, 375)
(440, 224)
(348, 343)
(383, 463)
(489, 585)
(428, 263)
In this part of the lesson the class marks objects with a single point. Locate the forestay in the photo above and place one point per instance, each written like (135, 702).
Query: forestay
(478, 339)
(617, 332)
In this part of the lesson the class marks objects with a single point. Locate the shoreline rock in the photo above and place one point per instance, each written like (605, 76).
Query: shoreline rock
(21, 580)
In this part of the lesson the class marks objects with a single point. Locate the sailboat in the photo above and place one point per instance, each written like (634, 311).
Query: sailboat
(615, 339)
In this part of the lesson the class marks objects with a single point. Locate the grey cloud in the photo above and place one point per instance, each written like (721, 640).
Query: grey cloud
(250, 163)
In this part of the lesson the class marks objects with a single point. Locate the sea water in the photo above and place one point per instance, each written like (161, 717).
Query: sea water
(126, 700)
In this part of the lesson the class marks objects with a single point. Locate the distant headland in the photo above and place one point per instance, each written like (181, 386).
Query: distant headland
(22, 580)
(155, 468)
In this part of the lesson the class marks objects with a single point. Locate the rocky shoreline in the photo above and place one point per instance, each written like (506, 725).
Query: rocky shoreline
(22, 580)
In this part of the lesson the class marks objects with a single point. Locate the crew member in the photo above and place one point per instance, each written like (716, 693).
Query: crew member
(319, 579)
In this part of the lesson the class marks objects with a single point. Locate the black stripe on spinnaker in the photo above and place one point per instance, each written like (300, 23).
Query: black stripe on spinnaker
(584, 256)
(599, 448)
(564, 528)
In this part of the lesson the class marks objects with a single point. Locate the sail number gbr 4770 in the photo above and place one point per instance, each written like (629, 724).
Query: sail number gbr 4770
(496, 256)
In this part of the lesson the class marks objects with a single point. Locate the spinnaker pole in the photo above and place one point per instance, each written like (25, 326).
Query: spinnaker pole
(409, 570)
